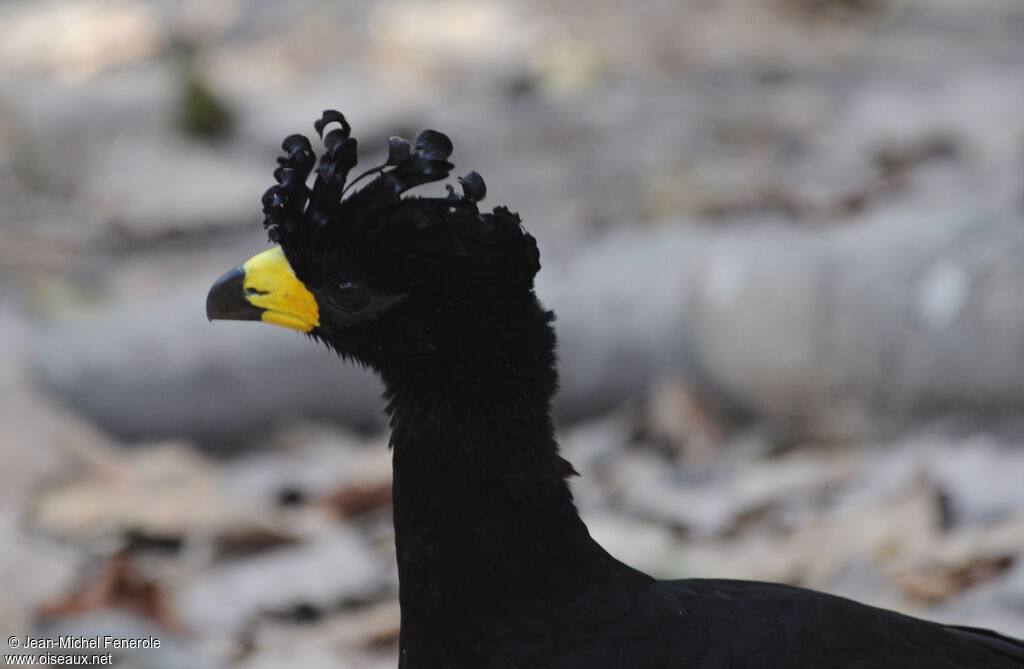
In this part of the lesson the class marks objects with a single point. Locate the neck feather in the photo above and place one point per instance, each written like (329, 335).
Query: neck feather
(483, 510)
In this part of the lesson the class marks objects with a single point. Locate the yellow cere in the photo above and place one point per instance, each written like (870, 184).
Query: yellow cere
(270, 284)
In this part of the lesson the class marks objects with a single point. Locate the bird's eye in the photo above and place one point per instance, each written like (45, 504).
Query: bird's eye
(351, 296)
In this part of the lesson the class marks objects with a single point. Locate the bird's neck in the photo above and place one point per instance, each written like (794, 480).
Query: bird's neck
(483, 510)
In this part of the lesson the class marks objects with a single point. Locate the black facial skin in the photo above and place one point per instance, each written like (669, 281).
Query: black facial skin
(426, 327)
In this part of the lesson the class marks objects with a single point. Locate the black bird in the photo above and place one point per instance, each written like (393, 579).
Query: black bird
(496, 569)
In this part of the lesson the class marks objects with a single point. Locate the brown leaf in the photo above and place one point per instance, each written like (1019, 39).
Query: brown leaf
(249, 539)
(374, 627)
(355, 499)
(935, 583)
(690, 423)
(118, 585)
(894, 160)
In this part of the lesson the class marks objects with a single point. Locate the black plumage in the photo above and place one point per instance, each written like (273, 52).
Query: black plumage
(496, 568)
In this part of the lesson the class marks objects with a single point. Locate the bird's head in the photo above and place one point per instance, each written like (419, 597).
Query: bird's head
(385, 279)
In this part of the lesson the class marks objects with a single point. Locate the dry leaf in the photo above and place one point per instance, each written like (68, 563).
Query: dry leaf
(119, 585)
(686, 420)
(934, 583)
(355, 499)
(249, 539)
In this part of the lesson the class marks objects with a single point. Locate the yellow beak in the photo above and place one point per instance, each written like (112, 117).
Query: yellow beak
(264, 288)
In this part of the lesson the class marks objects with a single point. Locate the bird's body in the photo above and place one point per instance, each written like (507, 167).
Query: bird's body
(496, 568)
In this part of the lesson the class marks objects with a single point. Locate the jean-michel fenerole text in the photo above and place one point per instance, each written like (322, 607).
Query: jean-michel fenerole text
(98, 642)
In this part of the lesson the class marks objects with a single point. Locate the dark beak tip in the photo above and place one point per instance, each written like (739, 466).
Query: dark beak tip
(226, 299)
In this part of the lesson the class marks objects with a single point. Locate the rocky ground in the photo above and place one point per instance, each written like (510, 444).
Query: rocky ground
(783, 238)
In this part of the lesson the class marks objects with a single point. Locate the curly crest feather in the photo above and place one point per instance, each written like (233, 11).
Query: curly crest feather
(446, 230)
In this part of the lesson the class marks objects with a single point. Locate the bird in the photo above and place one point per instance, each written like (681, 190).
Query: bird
(496, 568)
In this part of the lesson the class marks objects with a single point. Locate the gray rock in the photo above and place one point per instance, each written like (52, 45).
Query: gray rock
(909, 313)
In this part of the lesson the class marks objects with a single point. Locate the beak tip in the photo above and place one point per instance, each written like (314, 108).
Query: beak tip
(226, 300)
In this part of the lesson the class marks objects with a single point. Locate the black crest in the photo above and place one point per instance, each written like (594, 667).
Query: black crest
(331, 211)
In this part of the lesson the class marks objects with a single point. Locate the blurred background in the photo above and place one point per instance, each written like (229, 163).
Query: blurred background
(783, 238)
